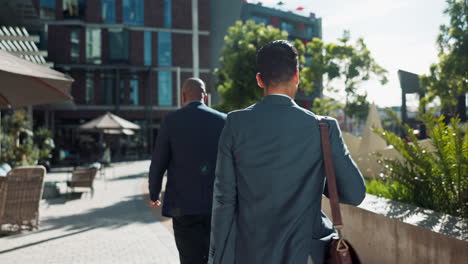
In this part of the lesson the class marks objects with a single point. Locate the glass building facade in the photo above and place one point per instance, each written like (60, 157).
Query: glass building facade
(108, 11)
(93, 45)
(133, 12)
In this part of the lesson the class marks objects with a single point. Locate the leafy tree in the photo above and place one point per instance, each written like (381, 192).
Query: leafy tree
(448, 78)
(15, 124)
(17, 146)
(322, 66)
(436, 179)
(356, 65)
(43, 140)
(326, 106)
(351, 63)
(236, 77)
(358, 108)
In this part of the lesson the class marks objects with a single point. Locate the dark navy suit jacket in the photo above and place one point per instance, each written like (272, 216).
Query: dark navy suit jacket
(186, 147)
(269, 185)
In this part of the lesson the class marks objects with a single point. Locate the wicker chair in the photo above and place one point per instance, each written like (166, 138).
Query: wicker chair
(20, 194)
(83, 177)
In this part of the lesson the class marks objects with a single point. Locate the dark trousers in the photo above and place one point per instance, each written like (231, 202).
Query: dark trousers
(192, 236)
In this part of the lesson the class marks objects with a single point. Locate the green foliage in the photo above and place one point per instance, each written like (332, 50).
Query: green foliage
(321, 67)
(43, 140)
(236, 77)
(326, 106)
(17, 155)
(351, 63)
(436, 180)
(386, 188)
(448, 78)
(356, 64)
(391, 122)
(358, 107)
(30, 149)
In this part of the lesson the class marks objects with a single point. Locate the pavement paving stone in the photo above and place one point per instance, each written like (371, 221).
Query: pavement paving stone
(114, 226)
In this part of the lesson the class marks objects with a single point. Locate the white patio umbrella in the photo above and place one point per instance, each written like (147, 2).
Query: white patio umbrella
(109, 122)
(23, 83)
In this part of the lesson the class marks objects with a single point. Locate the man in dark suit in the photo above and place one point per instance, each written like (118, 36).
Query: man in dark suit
(270, 174)
(186, 147)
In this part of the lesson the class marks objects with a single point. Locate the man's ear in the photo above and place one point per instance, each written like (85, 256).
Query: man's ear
(297, 80)
(205, 99)
(260, 81)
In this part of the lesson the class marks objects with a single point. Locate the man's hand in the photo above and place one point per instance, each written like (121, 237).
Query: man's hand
(155, 204)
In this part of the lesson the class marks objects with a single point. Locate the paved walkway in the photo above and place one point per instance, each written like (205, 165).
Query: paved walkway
(115, 226)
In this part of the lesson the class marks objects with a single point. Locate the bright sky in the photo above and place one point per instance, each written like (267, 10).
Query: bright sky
(400, 34)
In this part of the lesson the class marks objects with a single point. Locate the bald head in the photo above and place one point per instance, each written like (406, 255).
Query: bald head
(193, 89)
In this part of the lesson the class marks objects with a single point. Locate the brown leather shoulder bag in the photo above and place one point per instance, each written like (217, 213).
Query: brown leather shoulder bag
(340, 250)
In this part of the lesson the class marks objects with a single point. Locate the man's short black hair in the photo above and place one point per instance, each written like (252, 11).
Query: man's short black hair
(277, 62)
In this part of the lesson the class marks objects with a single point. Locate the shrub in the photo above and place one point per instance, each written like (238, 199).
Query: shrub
(437, 179)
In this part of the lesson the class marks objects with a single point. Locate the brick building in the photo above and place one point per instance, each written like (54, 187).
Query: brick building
(126, 56)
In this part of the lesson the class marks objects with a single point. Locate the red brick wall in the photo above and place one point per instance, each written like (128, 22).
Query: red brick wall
(204, 14)
(59, 44)
(182, 50)
(154, 48)
(204, 51)
(58, 10)
(118, 11)
(78, 90)
(182, 14)
(154, 13)
(136, 48)
(93, 11)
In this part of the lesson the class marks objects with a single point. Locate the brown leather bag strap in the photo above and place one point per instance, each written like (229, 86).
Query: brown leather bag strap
(330, 174)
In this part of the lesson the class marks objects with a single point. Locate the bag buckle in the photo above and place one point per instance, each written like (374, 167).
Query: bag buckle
(342, 246)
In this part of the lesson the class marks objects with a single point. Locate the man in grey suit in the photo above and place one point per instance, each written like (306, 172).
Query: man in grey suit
(186, 147)
(270, 174)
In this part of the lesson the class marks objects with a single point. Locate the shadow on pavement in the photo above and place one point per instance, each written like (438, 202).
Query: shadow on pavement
(129, 177)
(134, 209)
(46, 240)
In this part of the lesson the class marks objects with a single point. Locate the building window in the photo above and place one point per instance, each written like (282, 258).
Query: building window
(147, 48)
(133, 12)
(93, 45)
(286, 26)
(165, 88)
(74, 45)
(73, 8)
(107, 86)
(309, 32)
(89, 97)
(168, 13)
(118, 45)
(108, 11)
(47, 9)
(122, 92)
(134, 91)
(164, 49)
(260, 20)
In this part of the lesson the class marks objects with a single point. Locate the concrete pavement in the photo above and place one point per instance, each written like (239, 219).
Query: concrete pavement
(115, 226)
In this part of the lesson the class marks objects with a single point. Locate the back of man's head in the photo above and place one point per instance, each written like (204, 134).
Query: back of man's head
(193, 89)
(277, 62)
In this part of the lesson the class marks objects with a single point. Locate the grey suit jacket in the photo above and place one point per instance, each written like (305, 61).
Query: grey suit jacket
(269, 185)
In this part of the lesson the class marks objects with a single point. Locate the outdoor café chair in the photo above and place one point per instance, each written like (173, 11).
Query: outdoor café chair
(83, 177)
(20, 194)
